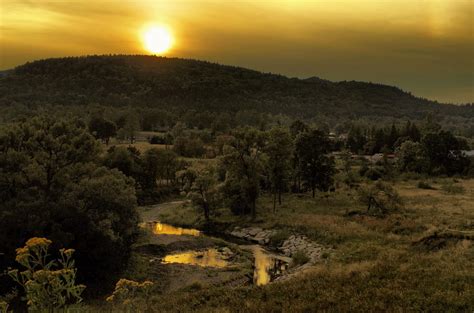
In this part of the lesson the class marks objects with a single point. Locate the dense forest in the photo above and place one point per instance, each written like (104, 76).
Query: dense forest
(178, 85)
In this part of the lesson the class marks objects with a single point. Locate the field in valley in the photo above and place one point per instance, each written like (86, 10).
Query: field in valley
(373, 264)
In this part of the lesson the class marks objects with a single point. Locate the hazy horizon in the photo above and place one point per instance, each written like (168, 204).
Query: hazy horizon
(422, 47)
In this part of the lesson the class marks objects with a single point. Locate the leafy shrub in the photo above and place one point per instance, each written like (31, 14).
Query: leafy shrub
(350, 179)
(407, 176)
(157, 140)
(151, 196)
(299, 258)
(279, 237)
(380, 196)
(374, 173)
(48, 285)
(424, 185)
(189, 147)
(131, 296)
(364, 168)
(196, 286)
(451, 188)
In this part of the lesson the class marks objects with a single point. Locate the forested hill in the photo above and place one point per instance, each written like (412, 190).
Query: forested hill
(181, 84)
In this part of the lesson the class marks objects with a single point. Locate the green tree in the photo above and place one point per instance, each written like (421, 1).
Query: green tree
(168, 165)
(317, 167)
(222, 123)
(430, 125)
(151, 167)
(102, 128)
(298, 127)
(52, 186)
(381, 197)
(444, 153)
(189, 147)
(411, 157)
(179, 129)
(392, 137)
(203, 189)
(279, 149)
(131, 127)
(356, 139)
(411, 131)
(242, 162)
(125, 160)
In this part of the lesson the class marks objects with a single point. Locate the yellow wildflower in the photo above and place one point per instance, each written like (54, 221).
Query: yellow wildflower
(147, 284)
(22, 258)
(38, 242)
(23, 250)
(110, 298)
(69, 252)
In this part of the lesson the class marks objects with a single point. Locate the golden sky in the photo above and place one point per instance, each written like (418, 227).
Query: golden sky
(422, 46)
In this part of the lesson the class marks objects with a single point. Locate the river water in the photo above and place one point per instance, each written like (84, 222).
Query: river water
(266, 266)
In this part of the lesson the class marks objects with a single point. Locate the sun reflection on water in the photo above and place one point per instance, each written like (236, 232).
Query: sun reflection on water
(263, 263)
(165, 229)
(208, 258)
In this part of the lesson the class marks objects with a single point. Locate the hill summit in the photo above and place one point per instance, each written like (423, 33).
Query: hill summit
(183, 84)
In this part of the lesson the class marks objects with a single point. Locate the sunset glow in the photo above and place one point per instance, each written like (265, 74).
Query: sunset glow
(425, 47)
(157, 39)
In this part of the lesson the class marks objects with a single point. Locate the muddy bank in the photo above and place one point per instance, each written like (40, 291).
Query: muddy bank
(220, 254)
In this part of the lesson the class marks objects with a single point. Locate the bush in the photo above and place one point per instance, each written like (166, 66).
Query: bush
(152, 196)
(157, 140)
(407, 176)
(451, 188)
(299, 258)
(279, 237)
(380, 196)
(424, 185)
(131, 296)
(189, 147)
(364, 168)
(374, 173)
(350, 178)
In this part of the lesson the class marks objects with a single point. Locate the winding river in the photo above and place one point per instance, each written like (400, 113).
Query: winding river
(266, 266)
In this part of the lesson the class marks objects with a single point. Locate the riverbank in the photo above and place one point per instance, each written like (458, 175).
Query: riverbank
(375, 262)
(372, 264)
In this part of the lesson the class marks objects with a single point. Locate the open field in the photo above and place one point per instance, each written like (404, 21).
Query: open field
(142, 146)
(375, 263)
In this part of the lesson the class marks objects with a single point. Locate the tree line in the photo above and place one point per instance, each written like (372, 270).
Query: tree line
(177, 86)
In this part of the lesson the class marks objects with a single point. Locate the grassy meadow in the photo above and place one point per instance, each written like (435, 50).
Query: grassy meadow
(375, 264)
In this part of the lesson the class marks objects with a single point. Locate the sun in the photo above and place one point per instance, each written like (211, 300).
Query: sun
(157, 39)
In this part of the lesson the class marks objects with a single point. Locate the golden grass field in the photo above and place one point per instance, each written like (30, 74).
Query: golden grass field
(376, 264)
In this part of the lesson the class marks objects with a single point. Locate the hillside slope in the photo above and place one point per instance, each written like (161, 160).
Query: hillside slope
(181, 84)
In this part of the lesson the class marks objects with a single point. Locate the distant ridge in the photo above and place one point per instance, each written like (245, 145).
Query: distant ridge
(183, 84)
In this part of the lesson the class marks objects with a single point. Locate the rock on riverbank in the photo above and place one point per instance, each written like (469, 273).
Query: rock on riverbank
(289, 247)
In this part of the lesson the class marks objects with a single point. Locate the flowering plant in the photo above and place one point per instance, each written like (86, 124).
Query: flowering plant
(49, 284)
(131, 295)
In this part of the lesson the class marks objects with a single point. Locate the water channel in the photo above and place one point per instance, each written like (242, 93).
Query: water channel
(267, 266)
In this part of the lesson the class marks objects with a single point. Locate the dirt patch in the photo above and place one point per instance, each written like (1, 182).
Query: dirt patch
(151, 213)
(195, 244)
(151, 249)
